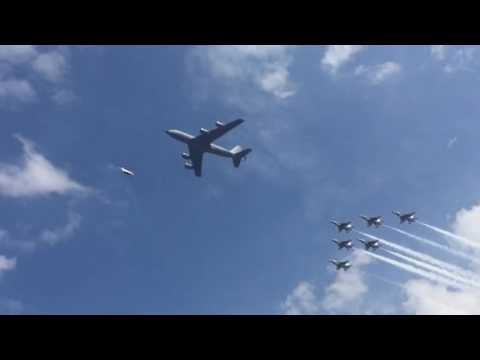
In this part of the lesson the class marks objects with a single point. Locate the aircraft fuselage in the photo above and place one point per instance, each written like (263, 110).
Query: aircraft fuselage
(200, 145)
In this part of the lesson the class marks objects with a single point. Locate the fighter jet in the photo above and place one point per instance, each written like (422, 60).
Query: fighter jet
(375, 220)
(203, 143)
(410, 217)
(127, 172)
(346, 226)
(346, 244)
(345, 265)
(370, 244)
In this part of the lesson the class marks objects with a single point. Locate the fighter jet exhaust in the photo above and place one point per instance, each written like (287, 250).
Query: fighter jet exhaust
(451, 235)
(425, 258)
(434, 244)
(444, 272)
(414, 270)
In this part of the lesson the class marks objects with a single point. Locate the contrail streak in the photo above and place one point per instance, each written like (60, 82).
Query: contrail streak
(414, 270)
(451, 235)
(453, 276)
(434, 244)
(424, 257)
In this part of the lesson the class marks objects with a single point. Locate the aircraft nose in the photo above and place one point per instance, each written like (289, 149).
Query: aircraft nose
(168, 132)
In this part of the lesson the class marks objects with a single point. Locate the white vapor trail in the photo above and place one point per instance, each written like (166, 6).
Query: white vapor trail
(414, 270)
(455, 277)
(451, 235)
(426, 258)
(434, 244)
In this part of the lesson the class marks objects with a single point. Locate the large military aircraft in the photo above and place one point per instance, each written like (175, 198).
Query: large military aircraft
(345, 244)
(345, 265)
(203, 143)
(371, 244)
(346, 226)
(375, 220)
(410, 217)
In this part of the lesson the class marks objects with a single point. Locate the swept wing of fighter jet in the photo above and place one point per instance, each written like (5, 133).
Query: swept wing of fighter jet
(346, 226)
(345, 244)
(203, 143)
(371, 244)
(127, 172)
(375, 220)
(409, 217)
(345, 265)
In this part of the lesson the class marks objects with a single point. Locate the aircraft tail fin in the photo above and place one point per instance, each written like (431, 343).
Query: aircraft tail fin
(239, 154)
(396, 213)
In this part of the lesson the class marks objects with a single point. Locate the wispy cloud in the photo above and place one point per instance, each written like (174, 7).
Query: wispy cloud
(426, 298)
(466, 226)
(344, 293)
(51, 65)
(64, 96)
(338, 55)
(265, 67)
(455, 59)
(379, 73)
(302, 300)
(35, 176)
(17, 62)
(7, 264)
(10, 307)
(18, 89)
(439, 52)
(451, 142)
(16, 54)
(62, 233)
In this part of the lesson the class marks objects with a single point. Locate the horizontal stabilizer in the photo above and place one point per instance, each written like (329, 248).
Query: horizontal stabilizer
(238, 154)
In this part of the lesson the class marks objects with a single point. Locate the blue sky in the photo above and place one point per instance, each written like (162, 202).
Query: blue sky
(336, 131)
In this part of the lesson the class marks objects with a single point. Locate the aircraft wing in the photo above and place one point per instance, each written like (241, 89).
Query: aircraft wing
(219, 131)
(196, 159)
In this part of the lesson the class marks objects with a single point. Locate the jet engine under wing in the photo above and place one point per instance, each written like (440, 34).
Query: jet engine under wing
(196, 160)
(213, 134)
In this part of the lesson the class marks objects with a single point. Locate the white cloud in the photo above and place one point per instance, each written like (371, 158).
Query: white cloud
(64, 96)
(10, 306)
(18, 61)
(16, 54)
(35, 176)
(426, 298)
(18, 89)
(346, 291)
(349, 286)
(7, 264)
(302, 301)
(379, 73)
(338, 55)
(7, 241)
(466, 223)
(451, 142)
(52, 237)
(454, 59)
(439, 52)
(51, 65)
(264, 66)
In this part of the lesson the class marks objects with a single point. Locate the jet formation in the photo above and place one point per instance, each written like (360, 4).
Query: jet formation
(375, 221)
